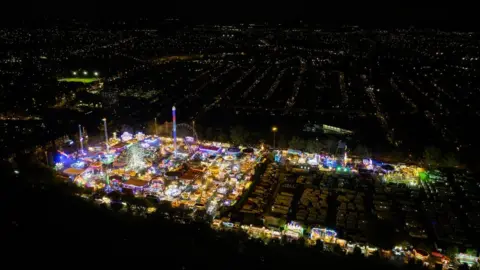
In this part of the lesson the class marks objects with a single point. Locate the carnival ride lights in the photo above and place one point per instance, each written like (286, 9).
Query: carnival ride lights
(80, 138)
(126, 136)
(63, 154)
(398, 251)
(278, 157)
(323, 233)
(294, 227)
(330, 163)
(312, 162)
(78, 165)
(135, 158)
(342, 169)
(233, 151)
(132, 165)
(222, 190)
(258, 232)
(174, 130)
(210, 149)
(107, 159)
(466, 258)
(140, 136)
(152, 140)
(106, 133)
(155, 187)
(227, 224)
(421, 254)
(212, 207)
(185, 195)
(294, 152)
(59, 166)
(173, 191)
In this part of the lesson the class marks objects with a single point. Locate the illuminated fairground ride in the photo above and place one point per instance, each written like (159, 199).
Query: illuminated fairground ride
(189, 135)
(323, 234)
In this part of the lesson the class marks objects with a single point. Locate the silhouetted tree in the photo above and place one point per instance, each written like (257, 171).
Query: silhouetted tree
(451, 251)
(208, 133)
(330, 145)
(150, 128)
(296, 143)
(314, 146)
(319, 245)
(338, 250)
(101, 126)
(423, 246)
(221, 136)
(357, 251)
(281, 142)
(238, 135)
(361, 151)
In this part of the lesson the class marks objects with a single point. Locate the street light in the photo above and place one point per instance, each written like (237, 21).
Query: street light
(95, 73)
(74, 73)
(274, 130)
(85, 73)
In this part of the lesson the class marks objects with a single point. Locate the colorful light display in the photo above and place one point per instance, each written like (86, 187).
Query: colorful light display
(135, 158)
(294, 227)
(324, 234)
(80, 138)
(140, 136)
(126, 136)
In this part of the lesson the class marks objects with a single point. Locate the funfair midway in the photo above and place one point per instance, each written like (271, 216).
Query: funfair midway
(214, 177)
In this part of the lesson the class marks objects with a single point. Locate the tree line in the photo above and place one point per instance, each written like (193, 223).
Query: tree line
(432, 157)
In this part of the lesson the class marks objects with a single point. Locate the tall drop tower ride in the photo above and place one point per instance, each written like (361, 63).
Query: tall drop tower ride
(174, 131)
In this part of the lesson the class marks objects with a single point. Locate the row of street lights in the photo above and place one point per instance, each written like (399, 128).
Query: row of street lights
(85, 73)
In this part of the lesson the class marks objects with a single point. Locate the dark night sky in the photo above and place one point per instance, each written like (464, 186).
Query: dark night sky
(252, 11)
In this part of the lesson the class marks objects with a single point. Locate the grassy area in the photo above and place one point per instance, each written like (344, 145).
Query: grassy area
(81, 80)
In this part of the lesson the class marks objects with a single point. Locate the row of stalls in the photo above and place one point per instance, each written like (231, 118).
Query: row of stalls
(302, 162)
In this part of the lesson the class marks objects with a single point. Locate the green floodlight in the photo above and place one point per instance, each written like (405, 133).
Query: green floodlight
(423, 176)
